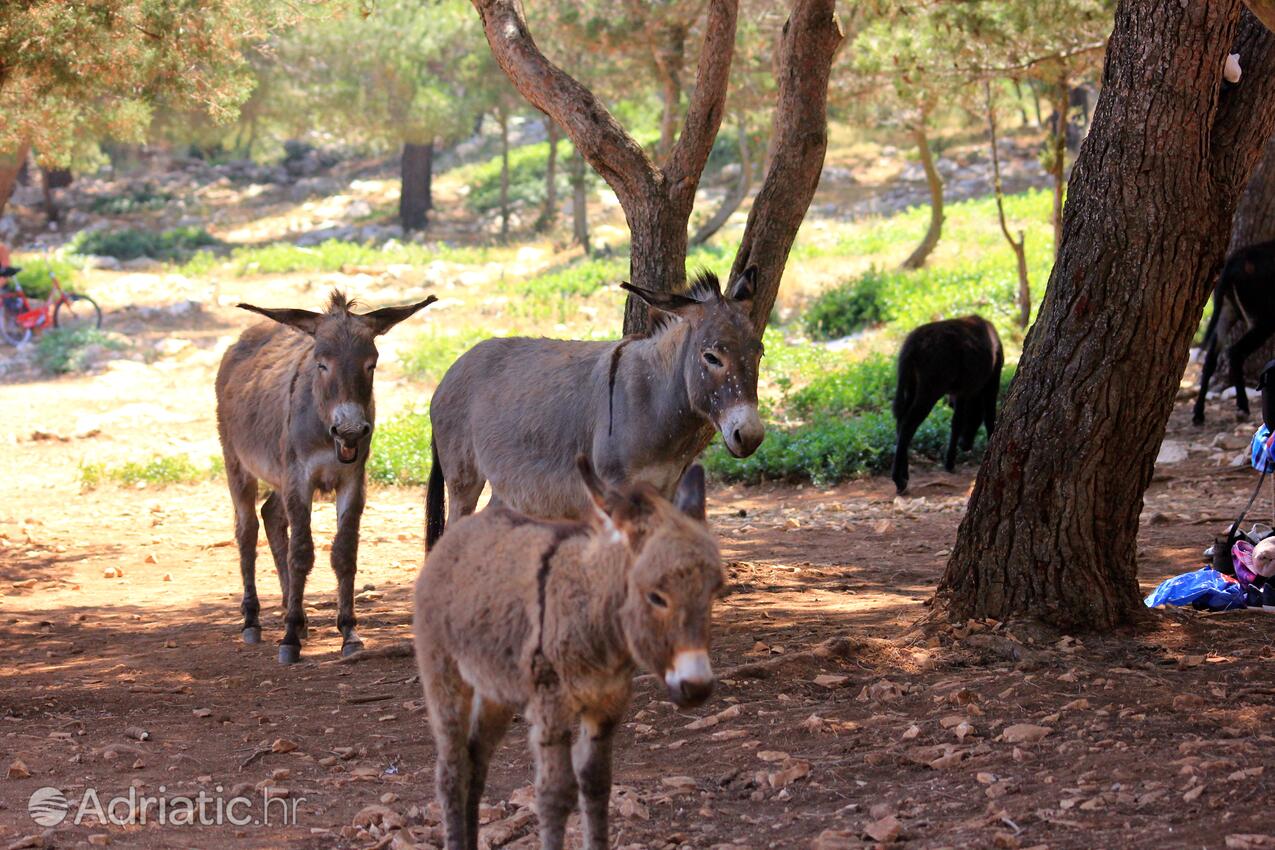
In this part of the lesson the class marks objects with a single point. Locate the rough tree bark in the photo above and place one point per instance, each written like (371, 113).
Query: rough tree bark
(1019, 245)
(416, 194)
(736, 195)
(1052, 523)
(549, 212)
(934, 181)
(657, 201)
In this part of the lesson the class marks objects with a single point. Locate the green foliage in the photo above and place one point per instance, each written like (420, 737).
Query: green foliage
(177, 244)
(866, 385)
(62, 350)
(400, 451)
(160, 470)
(34, 277)
(334, 254)
(138, 199)
(844, 309)
(528, 167)
(556, 294)
(435, 350)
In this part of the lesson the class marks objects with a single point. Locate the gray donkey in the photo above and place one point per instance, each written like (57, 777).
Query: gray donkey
(516, 411)
(294, 409)
(550, 619)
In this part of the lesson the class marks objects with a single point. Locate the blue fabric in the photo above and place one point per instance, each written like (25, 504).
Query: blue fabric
(1261, 451)
(1205, 588)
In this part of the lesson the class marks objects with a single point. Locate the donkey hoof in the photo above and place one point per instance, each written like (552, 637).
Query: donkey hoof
(303, 631)
(252, 634)
(289, 653)
(351, 648)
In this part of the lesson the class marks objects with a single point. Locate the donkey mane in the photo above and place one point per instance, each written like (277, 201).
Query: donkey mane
(339, 304)
(704, 288)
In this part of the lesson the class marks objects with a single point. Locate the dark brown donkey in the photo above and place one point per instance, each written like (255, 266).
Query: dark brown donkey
(294, 409)
(516, 412)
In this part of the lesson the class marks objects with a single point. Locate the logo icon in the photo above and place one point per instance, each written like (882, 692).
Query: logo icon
(47, 806)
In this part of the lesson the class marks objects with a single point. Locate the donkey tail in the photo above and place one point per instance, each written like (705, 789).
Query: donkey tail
(906, 388)
(434, 521)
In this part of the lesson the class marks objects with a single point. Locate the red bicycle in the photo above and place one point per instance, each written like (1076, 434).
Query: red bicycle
(20, 317)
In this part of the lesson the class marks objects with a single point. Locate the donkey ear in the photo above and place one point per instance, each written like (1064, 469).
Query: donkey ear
(385, 318)
(669, 302)
(598, 494)
(690, 493)
(743, 287)
(302, 320)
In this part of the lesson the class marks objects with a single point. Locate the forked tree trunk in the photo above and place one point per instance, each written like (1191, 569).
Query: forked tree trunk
(10, 165)
(934, 181)
(657, 201)
(549, 212)
(416, 194)
(736, 196)
(579, 203)
(1052, 522)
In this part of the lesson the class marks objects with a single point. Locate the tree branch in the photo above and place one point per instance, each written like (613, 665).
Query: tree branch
(690, 154)
(591, 127)
(798, 142)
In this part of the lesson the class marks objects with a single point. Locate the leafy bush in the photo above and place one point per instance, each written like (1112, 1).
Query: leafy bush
(176, 244)
(864, 386)
(844, 309)
(135, 200)
(62, 350)
(528, 168)
(159, 470)
(400, 451)
(34, 276)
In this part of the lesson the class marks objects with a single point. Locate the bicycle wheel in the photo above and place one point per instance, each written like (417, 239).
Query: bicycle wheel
(77, 311)
(13, 333)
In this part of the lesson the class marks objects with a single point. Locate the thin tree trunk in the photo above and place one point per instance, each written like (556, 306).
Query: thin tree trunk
(1051, 530)
(669, 55)
(10, 165)
(1032, 87)
(503, 117)
(1058, 165)
(1018, 245)
(416, 192)
(579, 203)
(736, 196)
(1018, 100)
(549, 212)
(935, 183)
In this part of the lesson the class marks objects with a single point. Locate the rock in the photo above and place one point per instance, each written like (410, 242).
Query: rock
(835, 839)
(881, 691)
(1229, 442)
(282, 745)
(680, 784)
(94, 261)
(99, 839)
(1246, 841)
(886, 830)
(18, 770)
(790, 772)
(112, 572)
(1024, 733)
(772, 755)
(1171, 452)
(830, 680)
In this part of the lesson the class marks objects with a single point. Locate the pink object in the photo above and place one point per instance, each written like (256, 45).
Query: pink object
(1242, 559)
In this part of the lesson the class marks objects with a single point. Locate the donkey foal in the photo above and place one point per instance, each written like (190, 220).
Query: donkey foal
(295, 410)
(958, 358)
(550, 619)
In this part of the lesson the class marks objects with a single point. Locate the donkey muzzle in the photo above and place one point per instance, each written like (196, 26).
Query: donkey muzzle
(349, 430)
(742, 429)
(690, 681)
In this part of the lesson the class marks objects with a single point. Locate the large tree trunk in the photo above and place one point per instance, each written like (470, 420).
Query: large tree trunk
(10, 165)
(736, 196)
(579, 203)
(1052, 522)
(549, 212)
(935, 183)
(416, 195)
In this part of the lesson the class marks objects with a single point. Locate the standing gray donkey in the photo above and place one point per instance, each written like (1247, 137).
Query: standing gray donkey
(515, 412)
(294, 409)
(550, 619)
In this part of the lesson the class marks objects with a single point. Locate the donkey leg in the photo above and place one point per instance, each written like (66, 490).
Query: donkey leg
(592, 756)
(1206, 374)
(345, 550)
(960, 411)
(1252, 340)
(906, 430)
(462, 495)
(448, 698)
(275, 519)
(298, 500)
(488, 723)
(243, 492)
(555, 780)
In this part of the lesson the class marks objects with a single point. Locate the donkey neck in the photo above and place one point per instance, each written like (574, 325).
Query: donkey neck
(661, 360)
(592, 582)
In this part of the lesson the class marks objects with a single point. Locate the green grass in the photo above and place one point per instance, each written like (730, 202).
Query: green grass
(137, 200)
(436, 349)
(63, 350)
(400, 453)
(556, 294)
(844, 309)
(34, 277)
(159, 471)
(335, 254)
(175, 245)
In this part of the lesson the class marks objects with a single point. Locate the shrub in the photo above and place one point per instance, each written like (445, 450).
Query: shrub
(62, 350)
(864, 386)
(176, 244)
(528, 167)
(160, 470)
(400, 451)
(844, 309)
(138, 199)
(34, 276)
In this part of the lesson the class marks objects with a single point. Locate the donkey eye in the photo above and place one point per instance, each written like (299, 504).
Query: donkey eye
(657, 599)
(712, 360)
(322, 367)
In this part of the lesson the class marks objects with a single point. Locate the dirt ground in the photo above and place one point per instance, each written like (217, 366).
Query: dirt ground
(835, 724)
